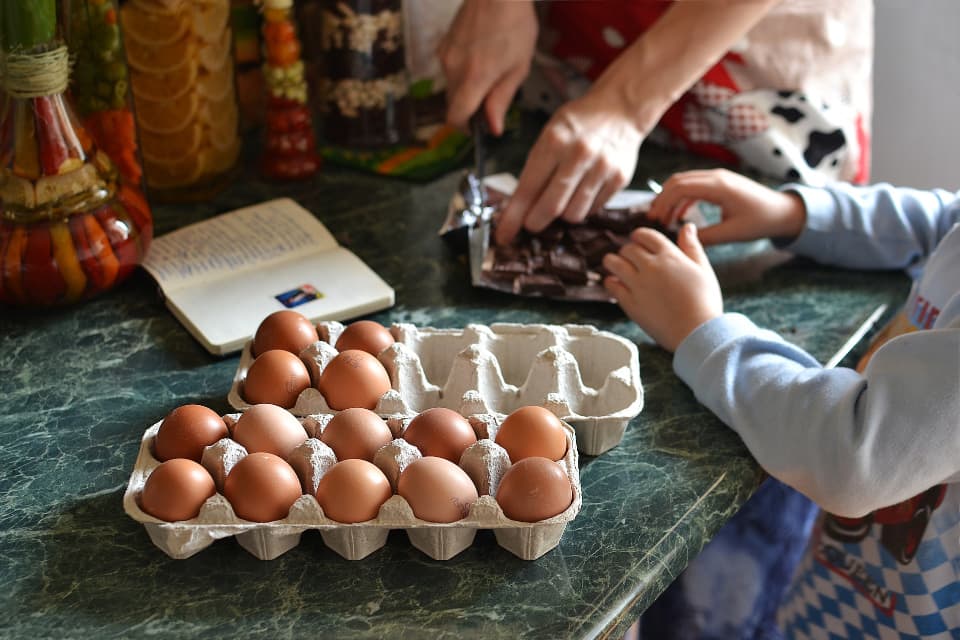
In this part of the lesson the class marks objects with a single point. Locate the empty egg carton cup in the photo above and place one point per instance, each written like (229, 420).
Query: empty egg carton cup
(485, 462)
(590, 378)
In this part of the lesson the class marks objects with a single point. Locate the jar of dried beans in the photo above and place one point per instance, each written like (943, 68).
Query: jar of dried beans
(364, 95)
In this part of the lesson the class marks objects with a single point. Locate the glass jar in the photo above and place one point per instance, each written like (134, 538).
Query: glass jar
(251, 95)
(70, 228)
(364, 88)
(181, 71)
(99, 84)
(290, 147)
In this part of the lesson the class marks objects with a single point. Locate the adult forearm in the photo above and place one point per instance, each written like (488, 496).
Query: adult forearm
(691, 36)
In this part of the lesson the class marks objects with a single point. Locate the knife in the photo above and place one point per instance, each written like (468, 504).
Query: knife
(479, 130)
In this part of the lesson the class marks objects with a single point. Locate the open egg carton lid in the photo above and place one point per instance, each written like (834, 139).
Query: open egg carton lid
(592, 376)
(485, 462)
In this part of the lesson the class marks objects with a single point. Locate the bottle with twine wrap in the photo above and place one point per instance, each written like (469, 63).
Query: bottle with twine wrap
(290, 146)
(69, 228)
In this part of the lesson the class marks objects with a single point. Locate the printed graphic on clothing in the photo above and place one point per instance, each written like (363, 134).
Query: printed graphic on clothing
(862, 589)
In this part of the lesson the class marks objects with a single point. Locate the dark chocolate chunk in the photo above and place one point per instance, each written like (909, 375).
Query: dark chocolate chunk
(553, 234)
(594, 250)
(581, 233)
(539, 283)
(508, 270)
(618, 220)
(567, 266)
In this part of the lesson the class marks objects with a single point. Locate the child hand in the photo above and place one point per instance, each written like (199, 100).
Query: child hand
(669, 290)
(749, 210)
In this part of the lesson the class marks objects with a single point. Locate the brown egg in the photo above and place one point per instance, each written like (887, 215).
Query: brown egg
(186, 431)
(534, 489)
(356, 433)
(353, 491)
(440, 432)
(353, 378)
(275, 377)
(437, 490)
(365, 335)
(270, 429)
(532, 431)
(176, 490)
(262, 488)
(287, 330)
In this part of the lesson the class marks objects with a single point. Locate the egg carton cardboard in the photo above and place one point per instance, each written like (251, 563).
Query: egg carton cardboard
(485, 462)
(591, 378)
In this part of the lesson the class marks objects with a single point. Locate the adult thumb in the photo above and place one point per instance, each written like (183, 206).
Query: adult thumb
(689, 243)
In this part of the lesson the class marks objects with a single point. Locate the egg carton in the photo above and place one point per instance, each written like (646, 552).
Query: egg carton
(485, 462)
(591, 376)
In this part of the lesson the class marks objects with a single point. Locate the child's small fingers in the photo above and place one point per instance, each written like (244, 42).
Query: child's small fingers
(731, 230)
(619, 266)
(676, 214)
(641, 259)
(616, 288)
(650, 239)
(694, 185)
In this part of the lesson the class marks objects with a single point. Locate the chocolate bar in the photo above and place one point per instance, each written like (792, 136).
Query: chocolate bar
(564, 260)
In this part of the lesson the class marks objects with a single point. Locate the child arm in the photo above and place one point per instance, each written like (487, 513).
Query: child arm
(851, 442)
(876, 227)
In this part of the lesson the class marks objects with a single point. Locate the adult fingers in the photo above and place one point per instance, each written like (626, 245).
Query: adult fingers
(465, 94)
(533, 180)
(610, 187)
(500, 96)
(582, 201)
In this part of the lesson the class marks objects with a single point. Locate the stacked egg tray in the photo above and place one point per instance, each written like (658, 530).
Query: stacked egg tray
(587, 377)
(485, 462)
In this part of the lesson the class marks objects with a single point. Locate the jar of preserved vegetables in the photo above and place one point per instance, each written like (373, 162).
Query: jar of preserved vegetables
(364, 87)
(290, 148)
(100, 85)
(70, 227)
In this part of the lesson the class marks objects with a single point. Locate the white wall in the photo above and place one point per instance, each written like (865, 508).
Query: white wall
(916, 120)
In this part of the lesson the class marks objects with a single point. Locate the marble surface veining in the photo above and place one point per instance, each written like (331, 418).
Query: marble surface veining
(80, 385)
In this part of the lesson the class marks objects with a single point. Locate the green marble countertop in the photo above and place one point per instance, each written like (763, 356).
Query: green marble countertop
(80, 385)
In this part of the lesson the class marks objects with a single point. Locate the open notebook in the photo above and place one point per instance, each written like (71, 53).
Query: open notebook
(223, 275)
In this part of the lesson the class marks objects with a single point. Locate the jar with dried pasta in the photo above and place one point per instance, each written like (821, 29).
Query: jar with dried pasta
(181, 73)
(364, 95)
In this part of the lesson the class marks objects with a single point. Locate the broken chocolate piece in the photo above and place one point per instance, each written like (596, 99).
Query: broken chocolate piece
(567, 266)
(543, 284)
(508, 270)
(552, 235)
(595, 249)
(581, 233)
(618, 220)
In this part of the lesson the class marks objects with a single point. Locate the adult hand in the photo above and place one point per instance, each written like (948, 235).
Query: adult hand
(585, 154)
(485, 55)
(668, 290)
(749, 210)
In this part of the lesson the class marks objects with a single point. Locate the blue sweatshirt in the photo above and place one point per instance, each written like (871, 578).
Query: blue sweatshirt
(878, 451)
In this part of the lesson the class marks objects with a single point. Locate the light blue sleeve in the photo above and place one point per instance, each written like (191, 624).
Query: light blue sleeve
(853, 443)
(875, 227)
